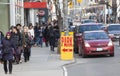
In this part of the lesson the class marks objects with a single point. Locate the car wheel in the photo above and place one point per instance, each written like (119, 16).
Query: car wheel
(112, 55)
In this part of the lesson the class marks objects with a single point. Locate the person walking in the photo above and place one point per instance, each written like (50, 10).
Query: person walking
(31, 30)
(19, 29)
(8, 45)
(17, 39)
(36, 33)
(40, 41)
(1, 38)
(46, 36)
(26, 44)
(52, 38)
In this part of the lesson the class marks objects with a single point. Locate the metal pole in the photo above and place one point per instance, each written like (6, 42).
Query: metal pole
(65, 11)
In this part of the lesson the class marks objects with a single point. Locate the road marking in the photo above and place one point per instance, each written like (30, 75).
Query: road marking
(65, 71)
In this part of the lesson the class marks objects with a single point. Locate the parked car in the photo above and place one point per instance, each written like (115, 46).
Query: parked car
(79, 31)
(114, 31)
(88, 21)
(96, 43)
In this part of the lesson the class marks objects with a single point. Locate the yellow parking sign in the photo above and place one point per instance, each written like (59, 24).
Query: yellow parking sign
(66, 44)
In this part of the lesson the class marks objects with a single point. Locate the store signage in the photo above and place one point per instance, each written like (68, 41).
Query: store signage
(41, 13)
(66, 44)
(35, 4)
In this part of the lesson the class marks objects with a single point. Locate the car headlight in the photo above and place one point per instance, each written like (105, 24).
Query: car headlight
(110, 43)
(87, 44)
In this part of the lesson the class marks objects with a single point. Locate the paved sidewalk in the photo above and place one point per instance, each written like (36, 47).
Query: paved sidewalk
(43, 62)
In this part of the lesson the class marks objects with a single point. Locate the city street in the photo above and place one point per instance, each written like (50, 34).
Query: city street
(70, 26)
(47, 63)
(96, 66)
(43, 62)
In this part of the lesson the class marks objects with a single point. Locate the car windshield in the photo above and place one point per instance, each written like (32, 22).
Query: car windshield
(88, 28)
(88, 21)
(114, 27)
(95, 36)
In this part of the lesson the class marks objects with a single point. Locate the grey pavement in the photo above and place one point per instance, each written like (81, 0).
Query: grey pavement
(96, 65)
(43, 62)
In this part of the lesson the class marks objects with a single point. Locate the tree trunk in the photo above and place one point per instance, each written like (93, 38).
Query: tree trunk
(114, 9)
(58, 14)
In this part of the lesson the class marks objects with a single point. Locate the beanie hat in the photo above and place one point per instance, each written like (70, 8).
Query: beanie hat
(8, 33)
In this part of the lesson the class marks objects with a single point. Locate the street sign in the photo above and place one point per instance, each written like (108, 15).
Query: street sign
(66, 46)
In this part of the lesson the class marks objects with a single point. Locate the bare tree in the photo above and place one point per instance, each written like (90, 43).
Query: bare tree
(58, 14)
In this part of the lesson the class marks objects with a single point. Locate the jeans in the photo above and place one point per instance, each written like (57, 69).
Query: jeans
(26, 54)
(10, 66)
(40, 41)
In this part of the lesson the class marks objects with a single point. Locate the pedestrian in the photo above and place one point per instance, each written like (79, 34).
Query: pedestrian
(26, 44)
(18, 42)
(52, 38)
(8, 45)
(36, 31)
(40, 40)
(19, 29)
(1, 38)
(46, 36)
(31, 30)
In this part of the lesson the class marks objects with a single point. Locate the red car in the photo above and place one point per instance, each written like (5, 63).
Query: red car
(96, 43)
(79, 31)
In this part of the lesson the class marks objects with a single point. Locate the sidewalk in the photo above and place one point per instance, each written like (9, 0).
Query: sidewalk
(43, 62)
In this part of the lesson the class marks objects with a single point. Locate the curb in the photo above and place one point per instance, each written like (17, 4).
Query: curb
(65, 73)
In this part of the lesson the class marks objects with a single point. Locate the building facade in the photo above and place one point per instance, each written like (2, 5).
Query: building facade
(16, 12)
(4, 15)
(11, 13)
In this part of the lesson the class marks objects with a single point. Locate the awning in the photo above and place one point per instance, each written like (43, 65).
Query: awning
(35, 4)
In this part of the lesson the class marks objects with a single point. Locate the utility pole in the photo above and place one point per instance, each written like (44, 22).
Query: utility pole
(65, 20)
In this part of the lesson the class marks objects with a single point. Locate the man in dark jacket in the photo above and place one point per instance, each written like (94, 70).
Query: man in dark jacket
(46, 36)
(17, 38)
(52, 38)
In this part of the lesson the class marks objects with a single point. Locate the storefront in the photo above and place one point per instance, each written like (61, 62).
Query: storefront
(16, 12)
(4, 15)
(11, 13)
(35, 12)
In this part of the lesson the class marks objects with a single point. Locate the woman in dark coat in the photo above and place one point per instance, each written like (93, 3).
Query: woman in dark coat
(26, 44)
(8, 45)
